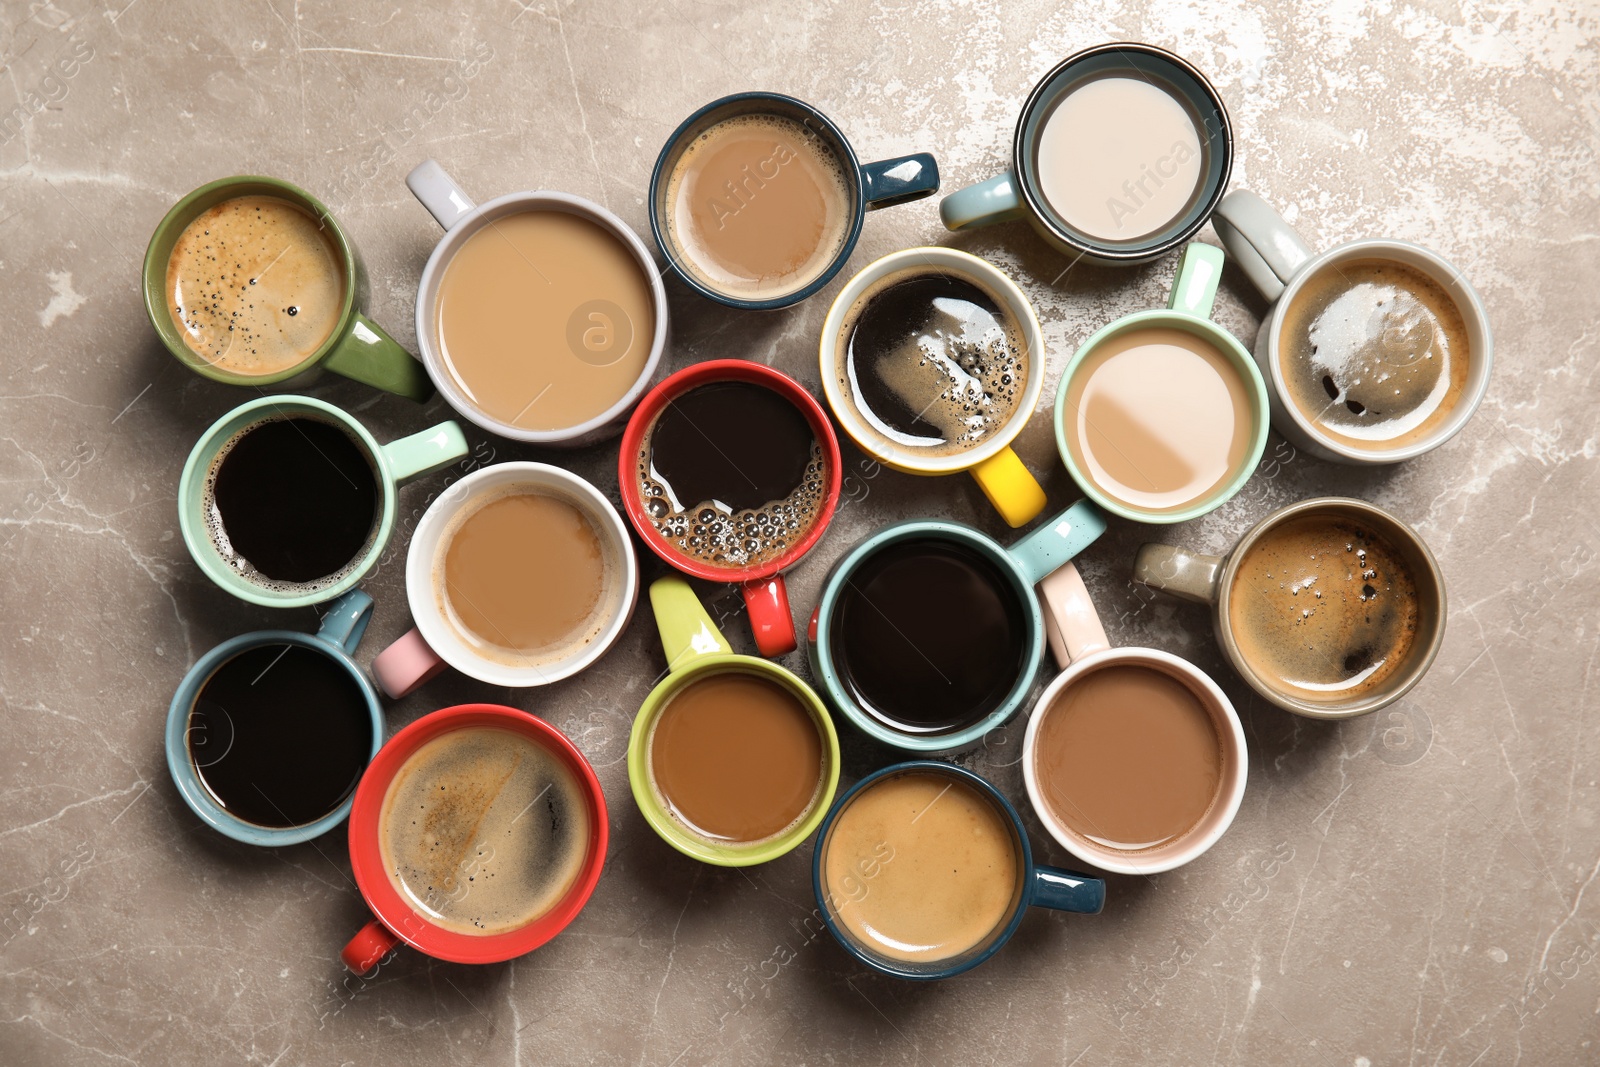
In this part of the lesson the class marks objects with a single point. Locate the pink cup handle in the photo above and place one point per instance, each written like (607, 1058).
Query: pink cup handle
(405, 665)
(1070, 624)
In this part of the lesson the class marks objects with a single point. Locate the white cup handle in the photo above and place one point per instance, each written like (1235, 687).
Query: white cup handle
(1071, 626)
(1260, 241)
(439, 193)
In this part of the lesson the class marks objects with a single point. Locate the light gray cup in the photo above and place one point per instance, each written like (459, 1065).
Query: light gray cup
(1278, 263)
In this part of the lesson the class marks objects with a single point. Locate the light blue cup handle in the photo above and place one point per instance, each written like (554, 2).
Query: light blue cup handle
(1058, 540)
(346, 621)
(995, 200)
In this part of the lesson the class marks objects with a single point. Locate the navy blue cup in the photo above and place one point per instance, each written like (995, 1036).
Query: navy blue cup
(870, 186)
(1040, 886)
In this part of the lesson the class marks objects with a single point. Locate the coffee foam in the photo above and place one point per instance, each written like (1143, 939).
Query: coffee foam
(484, 830)
(217, 532)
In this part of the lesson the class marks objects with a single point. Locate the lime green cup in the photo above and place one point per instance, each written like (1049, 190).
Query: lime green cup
(357, 347)
(695, 651)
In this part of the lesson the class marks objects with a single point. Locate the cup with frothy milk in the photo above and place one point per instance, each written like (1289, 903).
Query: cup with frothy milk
(1121, 153)
(1375, 351)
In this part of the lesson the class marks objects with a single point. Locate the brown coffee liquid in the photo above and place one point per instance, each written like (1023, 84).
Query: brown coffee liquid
(1324, 608)
(525, 577)
(255, 285)
(484, 830)
(545, 319)
(1158, 418)
(758, 206)
(1374, 353)
(731, 474)
(1129, 758)
(736, 758)
(921, 867)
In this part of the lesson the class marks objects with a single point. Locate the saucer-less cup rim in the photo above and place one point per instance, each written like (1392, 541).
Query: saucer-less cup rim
(396, 920)
(1080, 647)
(356, 348)
(1279, 263)
(1209, 580)
(1189, 309)
(340, 632)
(393, 464)
(461, 218)
(695, 651)
(999, 472)
(1042, 886)
(873, 185)
(433, 643)
(1025, 564)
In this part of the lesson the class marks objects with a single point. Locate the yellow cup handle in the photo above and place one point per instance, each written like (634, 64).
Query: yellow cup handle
(1015, 493)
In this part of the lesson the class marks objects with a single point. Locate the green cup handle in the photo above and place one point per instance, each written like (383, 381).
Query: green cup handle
(1054, 544)
(995, 200)
(687, 632)
(346, 621)
(367, 354)
(425, 452)
(1264, 245)
(1186, 575)
(1195, 289)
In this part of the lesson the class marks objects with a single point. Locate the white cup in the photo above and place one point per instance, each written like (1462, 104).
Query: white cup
(435, 643)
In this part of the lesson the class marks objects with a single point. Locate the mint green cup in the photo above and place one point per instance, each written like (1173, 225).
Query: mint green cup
(695, 650)
(392, 464)
(1188, 309)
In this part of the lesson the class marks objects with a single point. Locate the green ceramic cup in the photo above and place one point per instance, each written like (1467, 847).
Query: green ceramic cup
(1188, 309)
(358, 348)
(695, 650)
(392, 464)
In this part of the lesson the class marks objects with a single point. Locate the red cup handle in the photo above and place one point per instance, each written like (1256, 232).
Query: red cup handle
(368, 947)
(768, 604)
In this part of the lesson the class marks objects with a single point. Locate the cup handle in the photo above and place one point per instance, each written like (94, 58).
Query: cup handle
(899, 180)
(1063, 890)
(1195, 289)
(1186, 575)
(367, 949)
(405, 665)
(1071, 625)
(1058, 540)
(347, 620)
(687, 632)
(767, 602)
(1257, 237)
(439, 193)
(368, 355)
(425, 451)
(1015, 493)
(995, 200)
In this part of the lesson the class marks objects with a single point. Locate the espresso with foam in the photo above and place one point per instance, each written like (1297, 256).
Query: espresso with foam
(758, 206)
(932, 361)
(484, 830)
(1324, 608)
(255, 285)
(1374, 353)
(732, 475)
(920, 867)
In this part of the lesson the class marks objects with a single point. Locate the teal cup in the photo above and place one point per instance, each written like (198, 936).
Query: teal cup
(1155, 416)
(1016, 571)
(392, 464)
(341, 630)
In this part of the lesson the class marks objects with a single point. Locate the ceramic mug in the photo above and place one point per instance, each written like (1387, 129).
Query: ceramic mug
(1279, 264)
(1013, 491)
(397, 919)
(766, 597)
(1038, 886)
(1018, 193)
(462, 219)
(434, 643)
(871, 186)
(336, 639)
(1189, 310)
(393, 464)
(1210, 580)
(1022, 566)
(357, 348)
(696, 651)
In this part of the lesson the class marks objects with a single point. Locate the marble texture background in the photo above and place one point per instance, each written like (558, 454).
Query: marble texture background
(1413, 888)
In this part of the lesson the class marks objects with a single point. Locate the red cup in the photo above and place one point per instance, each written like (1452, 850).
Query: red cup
(397, 920)
(762, 584)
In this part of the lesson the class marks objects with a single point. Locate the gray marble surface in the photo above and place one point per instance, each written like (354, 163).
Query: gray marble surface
(1412, 888)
